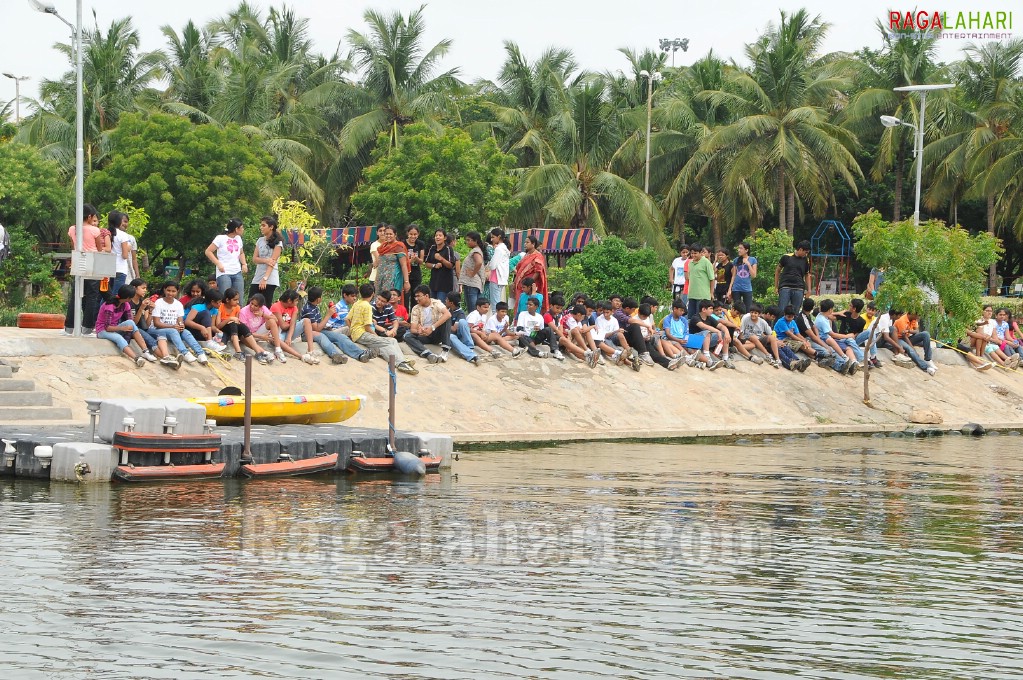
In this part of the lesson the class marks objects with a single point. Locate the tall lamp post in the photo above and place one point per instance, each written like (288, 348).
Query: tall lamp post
(918, 147)
(649, 109)
(17, 94)
(673, 45)
(76, 34)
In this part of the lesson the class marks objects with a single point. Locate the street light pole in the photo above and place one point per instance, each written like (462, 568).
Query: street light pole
(650, 78)
(17, 95)
(918, 146)
(76, 34)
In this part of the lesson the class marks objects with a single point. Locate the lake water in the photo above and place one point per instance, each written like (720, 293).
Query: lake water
(832, 558)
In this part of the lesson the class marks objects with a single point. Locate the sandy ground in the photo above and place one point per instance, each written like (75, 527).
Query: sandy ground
(542, 399)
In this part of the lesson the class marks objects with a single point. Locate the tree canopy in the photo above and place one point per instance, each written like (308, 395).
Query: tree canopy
(190, 178)
(439, 181)
(31, 193)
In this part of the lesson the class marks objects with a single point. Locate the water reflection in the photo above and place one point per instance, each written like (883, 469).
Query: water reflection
(839, 557)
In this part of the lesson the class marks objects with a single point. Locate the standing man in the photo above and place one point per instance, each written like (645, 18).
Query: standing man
(792, 277)
(677, 275)
(90, 290)
(701, 279)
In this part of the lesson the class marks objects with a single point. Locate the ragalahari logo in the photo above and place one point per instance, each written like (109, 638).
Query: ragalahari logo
(970, 25)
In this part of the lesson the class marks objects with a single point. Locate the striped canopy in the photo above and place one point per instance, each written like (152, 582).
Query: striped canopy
(351, 236)
(552, 240)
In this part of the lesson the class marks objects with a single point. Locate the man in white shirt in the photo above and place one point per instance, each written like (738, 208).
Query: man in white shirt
(677, 275)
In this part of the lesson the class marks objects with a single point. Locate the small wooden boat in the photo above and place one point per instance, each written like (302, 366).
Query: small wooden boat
(362, 463)
(155, 473)
(167, 443)
(287, 467)
(298, 409)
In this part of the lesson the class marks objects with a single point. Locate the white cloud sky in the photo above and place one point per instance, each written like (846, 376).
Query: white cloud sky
(592, 29)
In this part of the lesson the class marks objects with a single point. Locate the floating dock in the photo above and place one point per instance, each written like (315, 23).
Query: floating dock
(268, 443)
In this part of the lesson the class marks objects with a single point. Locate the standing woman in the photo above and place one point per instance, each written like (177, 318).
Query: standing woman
(374, 250)
(416, 254)
(532, 265)
(471, 275)
(265, 255)
(227, 256)
(120, 244)
(498, 268)
(392, 263)
(133, 248)
(744, 270)
(440, 260)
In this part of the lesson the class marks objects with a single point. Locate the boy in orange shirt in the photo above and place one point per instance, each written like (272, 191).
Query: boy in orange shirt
(909, 335)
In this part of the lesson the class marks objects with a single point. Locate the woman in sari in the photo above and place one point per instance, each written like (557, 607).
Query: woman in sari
(392, 262)
(532, 265)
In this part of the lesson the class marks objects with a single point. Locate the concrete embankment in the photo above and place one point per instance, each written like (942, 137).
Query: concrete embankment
(522, 400)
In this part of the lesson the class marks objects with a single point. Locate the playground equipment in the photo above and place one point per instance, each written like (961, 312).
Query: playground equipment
(831, 250)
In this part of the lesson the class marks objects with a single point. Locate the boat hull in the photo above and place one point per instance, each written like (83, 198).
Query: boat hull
(285, 410)
(386, 464)
(291, 468)
(157, 473)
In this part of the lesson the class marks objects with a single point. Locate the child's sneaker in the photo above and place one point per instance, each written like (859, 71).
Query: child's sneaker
(279, 355)
(635, 360)
(875, 363)
(365, 357)
(714, 364)
(674, 363)
(171, 361)
(202, 359)
(516, 352)
(238, 356)
(475, 361)
(558, 355)
(340, 358)
(433, 358)
(616, 358)
(406, 367)
(756, 360)
(592, 358)
(148, 356)
(140, 362)
(803, 365)
(308, 358)
(775, 363)
(264, 358)
(190, 358)
(647, 359)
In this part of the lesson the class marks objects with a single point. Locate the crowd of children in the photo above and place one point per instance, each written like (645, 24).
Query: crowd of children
(712, 321)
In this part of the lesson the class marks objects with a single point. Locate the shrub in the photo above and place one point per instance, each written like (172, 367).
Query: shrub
(25, 265)
(768, 245)
(609, 267)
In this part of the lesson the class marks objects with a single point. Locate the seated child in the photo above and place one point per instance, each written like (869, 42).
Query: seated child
(199, 319)
(142, 312)
(387, 323)
(114, 323)
(289, 323)
(497, 329)
(574, 328)
(791, 341)
(529, 290)
(607, 335)
(531, 329)
(337, 346)
(234, 331)
(756, 333)
(263, 326)
(169, 320)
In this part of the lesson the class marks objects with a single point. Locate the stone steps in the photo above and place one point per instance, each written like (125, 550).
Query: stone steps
(21, 402)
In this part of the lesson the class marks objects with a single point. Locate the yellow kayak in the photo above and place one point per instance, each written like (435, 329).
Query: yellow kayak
(299, 409)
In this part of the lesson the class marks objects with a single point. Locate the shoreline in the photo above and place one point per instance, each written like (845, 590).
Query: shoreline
(529, 402)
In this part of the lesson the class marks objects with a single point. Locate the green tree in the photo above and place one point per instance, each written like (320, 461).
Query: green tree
(439, 181)
(768, 245)
(31, 193)
(948, 260)
(189, 178)
(399, 84)
(609, 267)
(25, 265)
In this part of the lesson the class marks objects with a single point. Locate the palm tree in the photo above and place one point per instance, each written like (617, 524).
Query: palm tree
(194, 81)
(978, 151)
(398, 80)
(783, 135)
(584, 183)
(905, 59)
(116, 78)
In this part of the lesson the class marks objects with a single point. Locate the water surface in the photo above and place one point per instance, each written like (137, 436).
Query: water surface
(833, 558)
